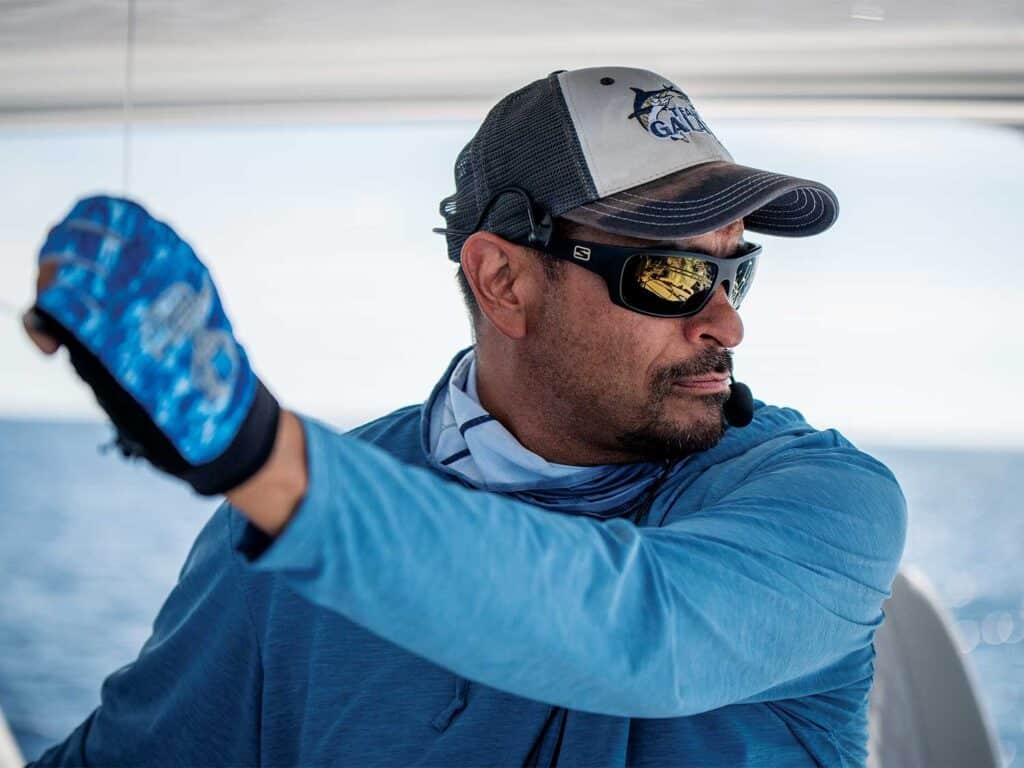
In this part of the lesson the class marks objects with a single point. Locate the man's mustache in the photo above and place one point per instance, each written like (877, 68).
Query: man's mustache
(711, 361)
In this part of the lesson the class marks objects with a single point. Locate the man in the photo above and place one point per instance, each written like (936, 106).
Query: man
(577, 551)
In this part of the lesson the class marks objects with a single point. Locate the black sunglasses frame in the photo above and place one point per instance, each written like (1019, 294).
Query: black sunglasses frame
(610, 263)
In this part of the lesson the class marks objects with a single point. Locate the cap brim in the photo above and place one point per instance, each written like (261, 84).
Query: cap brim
(709, 196)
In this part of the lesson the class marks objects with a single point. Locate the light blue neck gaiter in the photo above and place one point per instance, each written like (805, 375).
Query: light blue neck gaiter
(461, 438)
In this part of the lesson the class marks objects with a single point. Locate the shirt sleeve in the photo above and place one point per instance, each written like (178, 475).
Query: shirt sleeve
(743, 600)
(188, 697)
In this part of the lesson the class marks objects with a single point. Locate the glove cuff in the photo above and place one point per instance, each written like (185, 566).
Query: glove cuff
(247, 453)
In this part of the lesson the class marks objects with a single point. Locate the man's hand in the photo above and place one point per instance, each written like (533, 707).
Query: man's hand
(145, 329)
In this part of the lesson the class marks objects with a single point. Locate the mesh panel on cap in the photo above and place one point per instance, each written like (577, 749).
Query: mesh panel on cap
(527, 140)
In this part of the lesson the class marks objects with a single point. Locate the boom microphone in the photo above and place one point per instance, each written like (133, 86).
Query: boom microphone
(739, 408)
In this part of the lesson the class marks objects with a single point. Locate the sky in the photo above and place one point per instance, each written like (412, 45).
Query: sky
(900, 325)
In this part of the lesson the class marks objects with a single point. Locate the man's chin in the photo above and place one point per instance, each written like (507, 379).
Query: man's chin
(697, 428)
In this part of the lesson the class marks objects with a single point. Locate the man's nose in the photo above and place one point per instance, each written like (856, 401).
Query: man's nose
(718, 321)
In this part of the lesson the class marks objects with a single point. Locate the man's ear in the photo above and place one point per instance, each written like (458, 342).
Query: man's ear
(504, 279)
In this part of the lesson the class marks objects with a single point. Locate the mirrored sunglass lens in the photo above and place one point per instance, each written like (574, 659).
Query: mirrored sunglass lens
(667, 285)
(741, 285)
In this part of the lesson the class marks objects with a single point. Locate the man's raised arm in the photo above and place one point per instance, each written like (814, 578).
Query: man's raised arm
(754, 597)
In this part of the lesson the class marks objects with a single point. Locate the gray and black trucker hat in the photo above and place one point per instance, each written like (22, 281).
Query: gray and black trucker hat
(623, 150)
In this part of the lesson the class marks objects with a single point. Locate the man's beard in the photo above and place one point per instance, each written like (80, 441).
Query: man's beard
(657, 438)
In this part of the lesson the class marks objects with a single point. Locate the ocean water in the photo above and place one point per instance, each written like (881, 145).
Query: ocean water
(91, 544)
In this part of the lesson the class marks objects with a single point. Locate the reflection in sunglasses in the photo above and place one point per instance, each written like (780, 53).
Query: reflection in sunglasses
(674, 278)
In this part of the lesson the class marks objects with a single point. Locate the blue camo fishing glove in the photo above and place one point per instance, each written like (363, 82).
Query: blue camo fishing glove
(145, 329)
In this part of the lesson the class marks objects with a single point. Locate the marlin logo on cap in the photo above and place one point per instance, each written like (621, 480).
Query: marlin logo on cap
(667, 113)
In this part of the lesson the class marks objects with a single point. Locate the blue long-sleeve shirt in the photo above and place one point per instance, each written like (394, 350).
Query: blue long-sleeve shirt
(403, 619)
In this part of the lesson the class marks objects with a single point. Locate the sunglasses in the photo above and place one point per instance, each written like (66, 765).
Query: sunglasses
(660, 282)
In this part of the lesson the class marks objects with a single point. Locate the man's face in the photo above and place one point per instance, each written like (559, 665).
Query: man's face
(632, 385)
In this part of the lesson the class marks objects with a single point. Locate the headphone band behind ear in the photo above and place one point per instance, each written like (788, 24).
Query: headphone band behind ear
(540, 231)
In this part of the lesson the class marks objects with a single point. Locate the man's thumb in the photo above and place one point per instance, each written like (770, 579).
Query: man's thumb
(34, 325)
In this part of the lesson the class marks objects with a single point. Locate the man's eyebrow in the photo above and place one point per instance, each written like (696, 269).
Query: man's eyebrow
(673, 246)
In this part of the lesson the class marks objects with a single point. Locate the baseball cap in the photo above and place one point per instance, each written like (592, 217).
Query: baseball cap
(624, 150)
